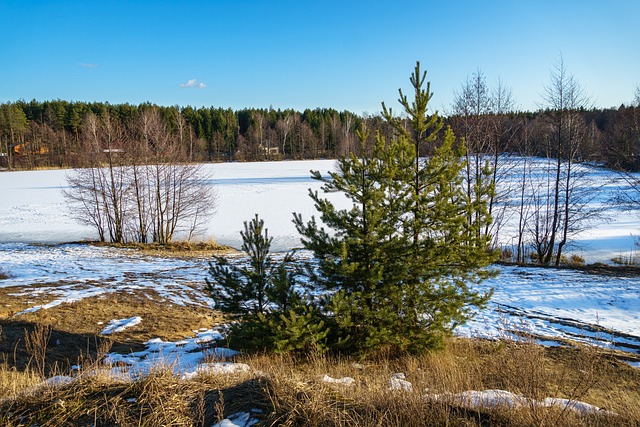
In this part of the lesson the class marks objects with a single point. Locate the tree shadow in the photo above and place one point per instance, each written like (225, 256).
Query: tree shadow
(63, 349)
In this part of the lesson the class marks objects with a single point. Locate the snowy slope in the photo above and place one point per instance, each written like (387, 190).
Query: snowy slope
(548, 303)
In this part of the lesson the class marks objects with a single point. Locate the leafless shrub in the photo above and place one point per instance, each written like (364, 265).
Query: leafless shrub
(138, 186)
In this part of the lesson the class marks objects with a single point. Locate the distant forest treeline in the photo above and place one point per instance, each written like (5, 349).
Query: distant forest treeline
(50, 134)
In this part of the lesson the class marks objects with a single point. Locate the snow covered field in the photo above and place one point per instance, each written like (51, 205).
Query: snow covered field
(554, 304)
(33, 209)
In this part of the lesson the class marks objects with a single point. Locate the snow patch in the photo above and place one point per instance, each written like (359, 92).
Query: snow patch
(218, 368)
(58, 381)
(240, 419)
(182, 357)
(346, 381)
(574, 405)
(120, 325)
(398, 381)
(503, 398)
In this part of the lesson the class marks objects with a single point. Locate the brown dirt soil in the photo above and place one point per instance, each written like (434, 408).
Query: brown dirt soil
(76, 326)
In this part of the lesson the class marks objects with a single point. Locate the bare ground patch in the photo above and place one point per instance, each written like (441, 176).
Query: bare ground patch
(76, 326)
(200, 250)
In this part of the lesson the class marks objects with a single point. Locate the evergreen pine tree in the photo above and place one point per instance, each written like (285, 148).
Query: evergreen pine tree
(357, 260)
(396, 267)
(261, 295)
(241, 290)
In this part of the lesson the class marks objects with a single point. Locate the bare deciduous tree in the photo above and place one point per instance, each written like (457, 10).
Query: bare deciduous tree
(97, 192)
(480, 119)
(138, 185)
(284, 126)
(524, 203)
(562, 209)
(628, 196)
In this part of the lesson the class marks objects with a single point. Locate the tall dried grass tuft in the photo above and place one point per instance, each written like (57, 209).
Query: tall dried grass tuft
(36, 342)
(14, 381)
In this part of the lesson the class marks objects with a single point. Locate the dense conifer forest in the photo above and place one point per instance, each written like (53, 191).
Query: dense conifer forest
(41, 134)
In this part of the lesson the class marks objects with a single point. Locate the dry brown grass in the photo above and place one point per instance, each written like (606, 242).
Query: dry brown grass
(161, 318)
(178, 249)
(290, 391)
(526, 369)
(14, 381)
(74, 328)
(36, 342)
(159, 399)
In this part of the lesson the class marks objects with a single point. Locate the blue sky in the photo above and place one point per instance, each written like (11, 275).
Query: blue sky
(294, 54)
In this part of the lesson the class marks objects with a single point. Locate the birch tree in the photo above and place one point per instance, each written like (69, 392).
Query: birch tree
(563, 208)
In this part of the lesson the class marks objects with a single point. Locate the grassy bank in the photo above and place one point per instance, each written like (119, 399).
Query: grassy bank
(284, 390)
(179, 249)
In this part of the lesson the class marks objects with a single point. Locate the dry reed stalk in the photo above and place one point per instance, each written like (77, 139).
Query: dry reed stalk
(36, 343)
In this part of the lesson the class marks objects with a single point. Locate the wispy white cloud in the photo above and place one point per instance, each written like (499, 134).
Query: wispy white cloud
(88, 65)
(193, 83)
